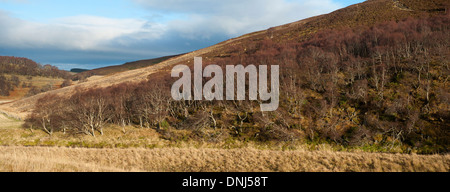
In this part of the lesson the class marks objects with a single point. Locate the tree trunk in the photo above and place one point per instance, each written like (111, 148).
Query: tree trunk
(48, 131)
(214, 120)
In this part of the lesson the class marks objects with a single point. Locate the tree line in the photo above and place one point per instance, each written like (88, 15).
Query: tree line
(8, 84)
(27, 67)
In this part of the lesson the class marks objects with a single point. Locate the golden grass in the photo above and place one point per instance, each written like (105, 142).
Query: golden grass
(142, 150)
(55, 159)
(8, 122)
(13, 134)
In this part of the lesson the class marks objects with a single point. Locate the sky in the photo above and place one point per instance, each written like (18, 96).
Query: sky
(96, 33)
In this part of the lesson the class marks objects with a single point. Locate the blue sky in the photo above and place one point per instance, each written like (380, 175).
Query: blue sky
(95, 33)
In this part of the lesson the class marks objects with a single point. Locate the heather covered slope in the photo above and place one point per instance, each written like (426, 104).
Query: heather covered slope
(363, 14)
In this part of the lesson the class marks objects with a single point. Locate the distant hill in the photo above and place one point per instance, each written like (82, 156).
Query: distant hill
(82, 74)
(21, 77)
(77, 70)
(24, 66)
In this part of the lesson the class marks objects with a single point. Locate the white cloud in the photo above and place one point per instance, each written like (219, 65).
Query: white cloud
(78, 32)
(204, 18)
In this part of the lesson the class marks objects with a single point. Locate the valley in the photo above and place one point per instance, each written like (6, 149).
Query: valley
(361, 89)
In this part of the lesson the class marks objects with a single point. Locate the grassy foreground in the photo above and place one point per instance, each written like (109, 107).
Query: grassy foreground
(132, 149)
(210, 160)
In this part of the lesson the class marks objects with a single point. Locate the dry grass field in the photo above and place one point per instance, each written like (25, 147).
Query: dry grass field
(7, 123)
(141, 150)
(49, 159)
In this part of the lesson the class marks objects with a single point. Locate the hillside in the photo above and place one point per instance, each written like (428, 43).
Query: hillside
(363, 14)
(83, 74)
(22, 77)
(371, 75)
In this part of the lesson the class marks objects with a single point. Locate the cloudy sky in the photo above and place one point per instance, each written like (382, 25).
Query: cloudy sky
(95, 33)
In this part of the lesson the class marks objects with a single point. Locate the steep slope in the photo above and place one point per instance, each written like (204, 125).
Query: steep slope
(363, 14)
(121, 68)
